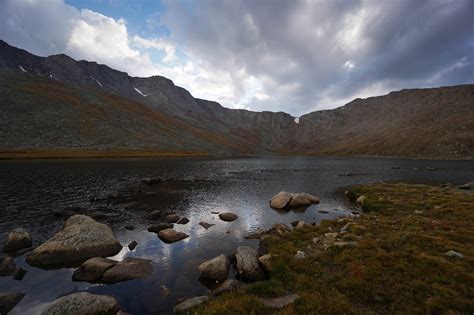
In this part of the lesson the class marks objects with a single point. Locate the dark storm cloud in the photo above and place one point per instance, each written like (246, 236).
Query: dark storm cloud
(313, 54)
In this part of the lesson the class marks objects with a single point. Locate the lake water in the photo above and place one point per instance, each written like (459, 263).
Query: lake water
(32, 192)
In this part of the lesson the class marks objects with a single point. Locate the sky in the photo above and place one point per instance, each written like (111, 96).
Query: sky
(294, 56)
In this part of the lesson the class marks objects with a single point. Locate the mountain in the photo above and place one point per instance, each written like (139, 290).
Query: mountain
(58, 104)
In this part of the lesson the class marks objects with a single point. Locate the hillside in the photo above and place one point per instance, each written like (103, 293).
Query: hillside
(58, 104)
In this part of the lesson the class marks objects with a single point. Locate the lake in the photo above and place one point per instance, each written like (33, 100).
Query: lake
(34, 193)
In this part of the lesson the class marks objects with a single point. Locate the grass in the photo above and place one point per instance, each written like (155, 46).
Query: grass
(397, 267)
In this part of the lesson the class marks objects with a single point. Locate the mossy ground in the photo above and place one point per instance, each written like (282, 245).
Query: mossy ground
(397, 267)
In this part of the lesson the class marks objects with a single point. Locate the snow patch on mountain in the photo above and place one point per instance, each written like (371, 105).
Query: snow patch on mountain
(139, 92)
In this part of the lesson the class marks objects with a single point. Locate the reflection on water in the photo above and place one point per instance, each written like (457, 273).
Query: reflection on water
(31, 191)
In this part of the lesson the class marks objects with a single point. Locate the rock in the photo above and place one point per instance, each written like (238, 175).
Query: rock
(80, 239)
(17, 239)
(329, 238)
(301, 225)
(19, 274)
(302, 200)
(155, 228)
(215, 212)
(132, 245)
(281, 228)
(171, 236)
(248, 267)
(93, 269)
(300, 255)
(128, 269)
(227, 286)
(344, 244)
(419, 212)
(172, 218)
(295, 223)
(7, 267)
(266, 262)
(346, 227)
(216, 268)
(323, 211)
(205, 225)
(183, 221)
(228, 216)
(187, 304)
(156, 214)
(467, 186)
(281, 200)
(280, 302)
(165, 291)
(361, 200)
(83, 303)
(253, 235)
(453, 253)
(150, 181)
(8, 300)
(129, 227)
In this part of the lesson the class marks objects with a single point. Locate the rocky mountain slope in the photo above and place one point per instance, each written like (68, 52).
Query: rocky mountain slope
(55, 102)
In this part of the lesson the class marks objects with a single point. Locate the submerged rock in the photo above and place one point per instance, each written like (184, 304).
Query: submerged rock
(83, 303)
(281, 200)
(187, 304)
(247, 264)
(17, 239)
(171, 236)
(7, 267)
(159, 227)
(8, 300)
(80, 239)
(228, 216)
(205, 225)
(128, 269)
(216, 268)
(303, 199)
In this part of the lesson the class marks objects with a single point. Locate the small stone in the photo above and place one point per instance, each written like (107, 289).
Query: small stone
(17, 239)
(215, 212)
(205, 225)
(419, 212)
(280, 302)
(323, 211)
(8, 300)
(171, 236)
(129, 227)
(361, 200)
(183, 220)
(453, 253)
(83, 303)
(172, 218)
(228, 216)
(346, 227)
(189, 303)
(132, 245)
(344, 244)
(155, 228)
(301, 224)
(300, 255)
(295, 223)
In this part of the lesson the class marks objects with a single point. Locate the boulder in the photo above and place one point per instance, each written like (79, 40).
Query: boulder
(7, 267)
(17, 239)
(8, 300)
(187, 304)
(132, 245)
(227, 286)
(266, 262)
(80, 239)
(247, 264)
(205, 225)
(83, 303)
(183, 220)
(228, 216)
(172, 218)
(171, 236)
(302, 200)
(93, 269)
(216, 268)
(128, 269)
(155, 228)
(281, 200)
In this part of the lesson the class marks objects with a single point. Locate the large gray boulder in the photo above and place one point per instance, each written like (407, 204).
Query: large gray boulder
(17, 239)
(303, 200)
(248, 267)
(216, 268)
(8, 300)
(83, 303)
(80, 239)
(281, 200)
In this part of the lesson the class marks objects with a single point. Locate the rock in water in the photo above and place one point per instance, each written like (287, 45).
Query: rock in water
(183, 220)
(81, 238)
(93, 269)
(216, 268)
(187, 304)
(172, 218)
(228, 216)
(83, 303)
(303, 199)
(8, 300)
(281, 200)
(159, 227)
(247, 264)
(171, 236)
(205, 225)
(7, 267)
(132, 245)
(17, 239)
(128, 269)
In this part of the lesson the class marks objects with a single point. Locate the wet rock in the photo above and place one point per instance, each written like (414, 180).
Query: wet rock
(266, 262)
(247, 264)
(281, 200)
(205, 225)
(93, 269)
(81, 238)
(361, 200)
(8, 300)
(129, 227)
(83, 303)
(453, 253)
(150, 181)
(300, 255)
(216, 268)
(467, 186)
(171, 236)
(7, 267)
(155, 228)
(128, 269)
(132, 245)
(227, 286)
(189, 303)
(183, 221)
(172, 218)
(17, 239)
(280, 302)
(19, 274)
(228, 216)
(303, 199)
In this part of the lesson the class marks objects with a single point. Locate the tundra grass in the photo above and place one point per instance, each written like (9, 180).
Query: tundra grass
(398, 265)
